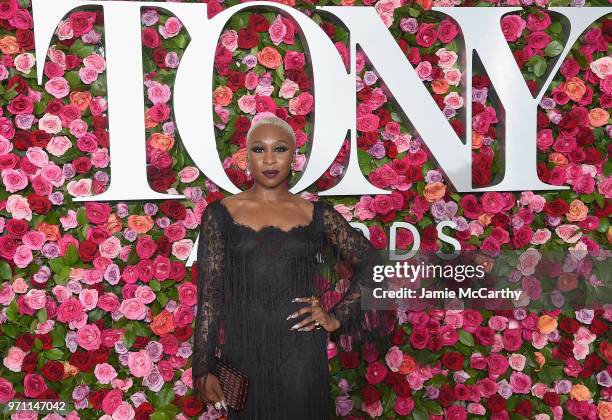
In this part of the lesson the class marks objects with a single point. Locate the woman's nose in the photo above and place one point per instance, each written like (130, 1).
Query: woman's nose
(269, 158)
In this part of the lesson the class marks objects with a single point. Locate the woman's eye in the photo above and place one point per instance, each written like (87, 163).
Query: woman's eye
(257, 149)
(281, 149)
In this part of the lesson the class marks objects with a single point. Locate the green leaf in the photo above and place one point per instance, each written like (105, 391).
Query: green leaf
(42, 315)
(420, 413)
(80, 49)
(538, 65)
(56, 264)
(555, 28)
(553, 49)
(71, 256)
(165, 397)
(54, 354)
(129, 336)
(5, 271)
(154, 285)
(82, 217)
(161, 415)
(466, 338)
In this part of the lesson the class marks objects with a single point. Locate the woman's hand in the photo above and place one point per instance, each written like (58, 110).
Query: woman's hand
(208, 390)
(318, 317)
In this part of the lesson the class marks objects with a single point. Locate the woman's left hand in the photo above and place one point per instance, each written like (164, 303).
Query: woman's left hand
(318, 317)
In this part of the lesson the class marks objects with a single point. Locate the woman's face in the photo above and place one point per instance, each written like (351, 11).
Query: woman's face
(270, 152)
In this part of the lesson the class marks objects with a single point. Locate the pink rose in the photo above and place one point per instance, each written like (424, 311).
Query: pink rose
(23, 256)
(140, 363)
(7, 392)
(569, 233)
(88, 75)
(88, 337)
(24, 62)
(302, 104)
(182, 249)
(133, 309)
(35, 299)
(277, 30)
(605, 187)
(34, 385)
(50, 124)
(521, 383)
(423, 70)
(497, 364)
(367, 123)
(394, 358)
(288, 89)
(247, 104)
(403, 406)
(158, 93)
(112, 400)
(374, 410)
(14, 180)
(171, 28)
(229, 39)
(57, 87)
(18, 207)
(517, 361)
(528, 261)
(105, 373)
(14, 359)
(124, 411)
(512, 27)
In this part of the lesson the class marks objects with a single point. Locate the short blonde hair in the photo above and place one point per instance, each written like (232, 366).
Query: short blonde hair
(272, 120)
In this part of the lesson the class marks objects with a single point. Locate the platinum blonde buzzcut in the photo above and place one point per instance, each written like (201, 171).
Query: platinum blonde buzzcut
(272, 120)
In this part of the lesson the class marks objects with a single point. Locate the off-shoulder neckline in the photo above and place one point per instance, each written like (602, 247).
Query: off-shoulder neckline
(270, 227)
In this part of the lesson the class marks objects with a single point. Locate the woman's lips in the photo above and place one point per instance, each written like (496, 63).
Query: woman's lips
(270, 173)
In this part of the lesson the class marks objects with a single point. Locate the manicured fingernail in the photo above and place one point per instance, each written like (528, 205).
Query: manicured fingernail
(293, 315)
(295, 326)
(294, 300)
(301, 329)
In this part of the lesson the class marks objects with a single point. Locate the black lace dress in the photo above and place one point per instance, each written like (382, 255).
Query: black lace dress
(246, 282)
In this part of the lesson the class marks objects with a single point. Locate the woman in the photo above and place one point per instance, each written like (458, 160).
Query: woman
(259, 256)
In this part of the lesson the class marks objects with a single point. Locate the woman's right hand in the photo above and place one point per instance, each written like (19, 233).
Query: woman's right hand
(208, 389)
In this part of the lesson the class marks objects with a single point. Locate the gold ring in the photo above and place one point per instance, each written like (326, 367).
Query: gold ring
(314, 300)
(317, 323)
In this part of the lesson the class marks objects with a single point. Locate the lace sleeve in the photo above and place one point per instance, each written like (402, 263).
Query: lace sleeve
(353, 247)
(211, 255)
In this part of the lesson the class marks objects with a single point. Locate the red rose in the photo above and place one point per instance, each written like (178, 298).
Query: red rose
(551, 399)
(96, 397)
(30, 362)
(402, 389)
(247, 38)
(485, 336)
(159, 57)
(370, 394)
(191, 406)
(40, 138)
(25, 39)
(39, 204)
(22, 140)
(447, 31)
(496, 403)
(264, 104)
(426, 35)
(598, 327)
(88, 250)
(235, 80)
(237, 177)
(258, 23)
(376, 373)
(150, 38)
(512, 339)
(447, 395)
(452, 360)
(524, 408)
(419, 338)
(144, 411)
(173, 209)
(17, 227)
(349, 359)
(25, 341)
(53, 370)
(82, 22)
(8, 8)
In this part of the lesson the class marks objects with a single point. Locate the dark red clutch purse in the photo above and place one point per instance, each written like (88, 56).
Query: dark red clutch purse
(233, 382)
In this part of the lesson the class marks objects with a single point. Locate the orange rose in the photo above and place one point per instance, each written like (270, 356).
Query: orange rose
(140, 224)
(113, 224)
(161, 141)
(163, 323)
(547, 324)
(567, 282)
(604, 409)
(485, 219)
(580, 392)
(222, 96)
(439, 86)
(9, 45)
(270, 58)
(598, 117)
(81, 100)
(69, 370)
(425, 4)
(577, 211)
(408, 365)
(240, 159)
(575, 88)
(51, 232)
(149, 122)
(434, 191)
(477, 140)
(558, 159)
(540, 359)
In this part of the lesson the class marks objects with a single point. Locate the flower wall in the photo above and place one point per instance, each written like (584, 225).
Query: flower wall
(97, 303)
